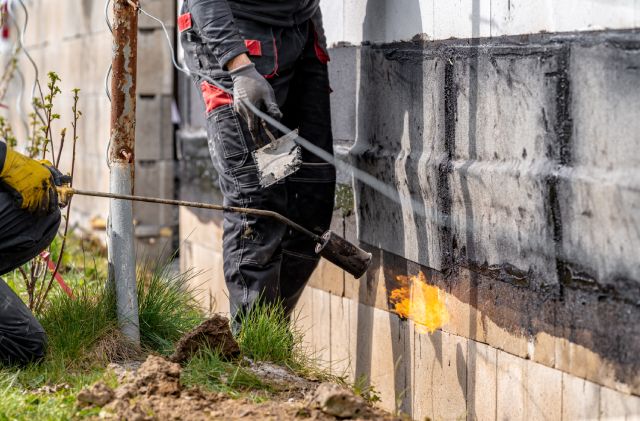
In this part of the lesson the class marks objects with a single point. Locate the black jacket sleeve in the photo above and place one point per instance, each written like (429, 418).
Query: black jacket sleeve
(214, 21)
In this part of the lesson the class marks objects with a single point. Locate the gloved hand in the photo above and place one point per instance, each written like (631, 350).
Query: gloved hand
(31, 182)
(251, 86)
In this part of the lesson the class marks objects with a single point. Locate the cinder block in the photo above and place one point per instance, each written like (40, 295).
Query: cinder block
(303, 318)
(340, 345)
(440, 376)
(344, 69)
(206, 232)
(580, 399)
(504, 340)
(544, 350)
(543, 391)
(388, 359)
(155, 70)
(481, 382)
(321, 316)
(161, 9)
(599, 197)
(154, 128)
(465, 320)
(395, 144)
(208, 276)
(618, 406)
(328, 277)
(504, 115)
(461, 19)
(155, 179)
(511, 383)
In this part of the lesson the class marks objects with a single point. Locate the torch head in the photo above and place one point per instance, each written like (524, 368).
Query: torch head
(343, 254)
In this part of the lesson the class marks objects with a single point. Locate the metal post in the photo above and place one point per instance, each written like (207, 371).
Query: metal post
(122, 260)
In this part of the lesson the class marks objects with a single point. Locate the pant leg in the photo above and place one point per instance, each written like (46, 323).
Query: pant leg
(23, 235)
(311, 190)
(22, 338)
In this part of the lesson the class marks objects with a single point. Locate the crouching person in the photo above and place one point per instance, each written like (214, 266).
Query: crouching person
(29, 221)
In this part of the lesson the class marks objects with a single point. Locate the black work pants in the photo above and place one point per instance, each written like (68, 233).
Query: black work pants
(262, 257)
(22, 237)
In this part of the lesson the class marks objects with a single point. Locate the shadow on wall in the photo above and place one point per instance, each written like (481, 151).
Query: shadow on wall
(402, 121)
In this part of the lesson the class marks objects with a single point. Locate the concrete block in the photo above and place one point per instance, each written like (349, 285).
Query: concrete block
(481, 381)
(544, 350)
(505, 112)
(395, 144)
(155, 70)
(161, 9)
(333, 14)
(618, 406)
(511, 396)
(155, 179)
(461, 19)
(389, 359)
(465, 319)
(208, 276)
(600, 240)
(580, 399)
(328, 277)
(321, 316)
(154, 129)
(384, 21)
(303, 318)
(340, 344)
(543, 391)
(504, 340)
(440, 377)
(344, 69)
(206, 232)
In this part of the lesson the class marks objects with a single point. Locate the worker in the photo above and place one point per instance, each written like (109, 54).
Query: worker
(272, 54)
(29, 220)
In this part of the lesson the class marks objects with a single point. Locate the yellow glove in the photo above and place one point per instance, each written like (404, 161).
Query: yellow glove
(30, 181)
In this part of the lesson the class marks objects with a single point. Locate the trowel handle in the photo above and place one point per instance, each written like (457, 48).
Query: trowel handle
(342, 253)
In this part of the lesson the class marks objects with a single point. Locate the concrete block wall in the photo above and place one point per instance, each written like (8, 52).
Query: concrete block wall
(513, 149)
(71, 38)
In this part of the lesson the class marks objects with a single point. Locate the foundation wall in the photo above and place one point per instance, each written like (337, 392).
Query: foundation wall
(513, 160)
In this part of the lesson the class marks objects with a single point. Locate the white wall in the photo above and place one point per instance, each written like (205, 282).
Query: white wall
(355, 21)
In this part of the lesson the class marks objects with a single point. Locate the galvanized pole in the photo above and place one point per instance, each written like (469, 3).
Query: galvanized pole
(122, 260)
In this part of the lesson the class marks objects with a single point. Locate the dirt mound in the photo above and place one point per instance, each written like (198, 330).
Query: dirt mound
(154, 392)
(213, 333)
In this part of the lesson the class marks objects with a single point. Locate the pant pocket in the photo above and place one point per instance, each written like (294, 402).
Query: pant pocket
(227, 140)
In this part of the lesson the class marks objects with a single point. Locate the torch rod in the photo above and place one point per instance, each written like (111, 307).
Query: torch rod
(66, 192)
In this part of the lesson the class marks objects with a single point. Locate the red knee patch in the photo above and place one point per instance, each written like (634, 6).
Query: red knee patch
(254, 46)
(184, 22)
(214, 97)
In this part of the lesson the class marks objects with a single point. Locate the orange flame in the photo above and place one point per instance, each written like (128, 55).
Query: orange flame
(420, 302)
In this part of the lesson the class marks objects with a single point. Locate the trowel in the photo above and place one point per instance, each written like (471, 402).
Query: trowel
(277, 159)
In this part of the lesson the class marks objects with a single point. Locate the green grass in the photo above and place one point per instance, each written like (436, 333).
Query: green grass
(210, 370)
(167, 307)
(83, 335)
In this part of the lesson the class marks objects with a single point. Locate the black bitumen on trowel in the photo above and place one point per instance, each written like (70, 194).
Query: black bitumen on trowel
(329, 245)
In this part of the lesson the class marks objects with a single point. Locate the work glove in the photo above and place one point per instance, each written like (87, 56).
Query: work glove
(251, 86)
(32, 182)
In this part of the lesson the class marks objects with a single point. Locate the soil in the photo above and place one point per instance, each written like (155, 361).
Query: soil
(213, 334)
(154, 392)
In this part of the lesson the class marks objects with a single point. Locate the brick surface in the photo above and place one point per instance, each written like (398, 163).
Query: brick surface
(543, 391)
(340, 338)
(511, 392)
(481, 382)
(440, 377)
(580, 399)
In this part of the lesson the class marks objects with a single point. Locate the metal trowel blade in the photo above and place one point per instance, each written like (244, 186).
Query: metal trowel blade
(279, 159)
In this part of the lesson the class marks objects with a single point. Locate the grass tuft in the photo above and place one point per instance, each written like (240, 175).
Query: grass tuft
(167, 307)
(210, 370)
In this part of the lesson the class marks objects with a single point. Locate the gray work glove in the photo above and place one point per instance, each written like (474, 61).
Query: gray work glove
(251, 86)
